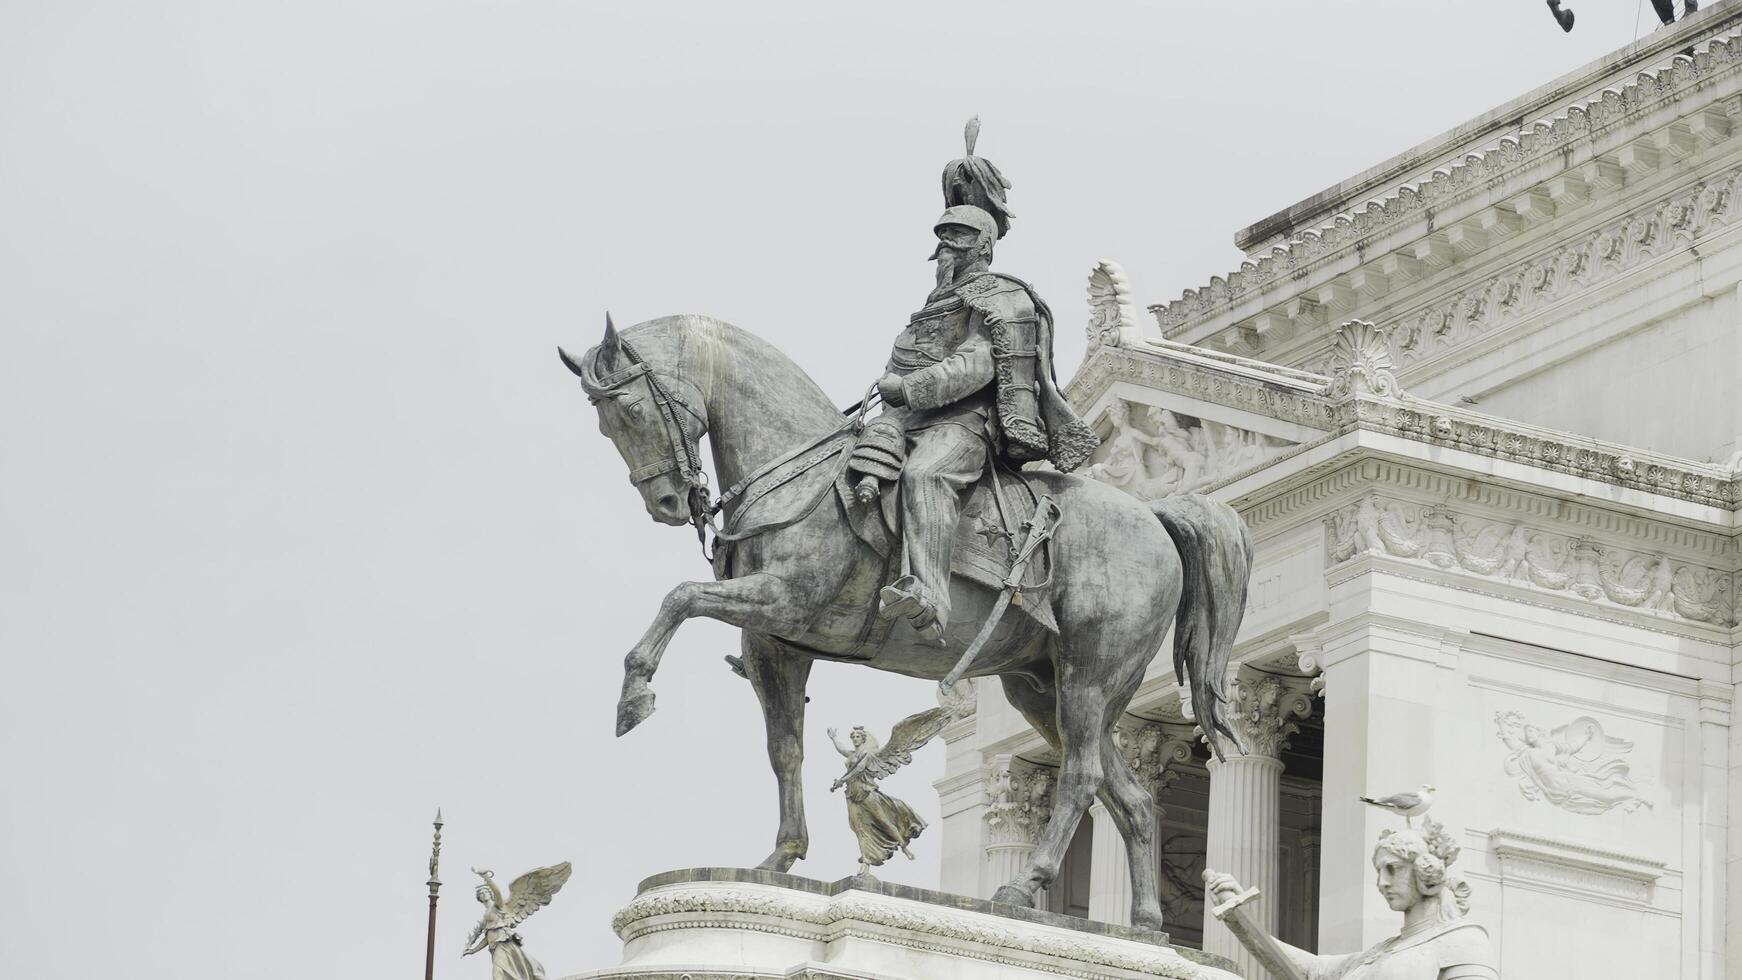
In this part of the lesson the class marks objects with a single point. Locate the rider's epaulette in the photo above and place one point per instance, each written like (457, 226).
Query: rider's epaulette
(998, 298)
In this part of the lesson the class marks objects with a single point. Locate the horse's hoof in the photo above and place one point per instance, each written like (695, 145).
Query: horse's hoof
(1012, 895)
(1146, 919)
(783, 857)
(632, 710)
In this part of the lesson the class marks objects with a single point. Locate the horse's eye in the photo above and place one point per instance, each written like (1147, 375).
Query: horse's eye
(634, 410)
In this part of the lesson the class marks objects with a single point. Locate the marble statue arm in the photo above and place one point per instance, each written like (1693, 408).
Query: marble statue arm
(1225, 896)
(966, 371)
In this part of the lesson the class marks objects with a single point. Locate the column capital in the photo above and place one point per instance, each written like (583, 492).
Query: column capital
(1154, 749)
(1264, 709)
(1019, 798)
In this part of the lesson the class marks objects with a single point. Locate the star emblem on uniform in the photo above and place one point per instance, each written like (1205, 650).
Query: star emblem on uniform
(987, 528)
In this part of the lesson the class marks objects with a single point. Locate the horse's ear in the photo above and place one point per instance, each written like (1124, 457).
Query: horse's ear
(609, 348)
(570, 362)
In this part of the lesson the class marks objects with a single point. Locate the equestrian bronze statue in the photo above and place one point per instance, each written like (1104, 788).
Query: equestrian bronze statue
(894, 540)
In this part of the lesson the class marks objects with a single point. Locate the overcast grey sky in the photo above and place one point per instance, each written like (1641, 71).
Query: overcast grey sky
(303, 529)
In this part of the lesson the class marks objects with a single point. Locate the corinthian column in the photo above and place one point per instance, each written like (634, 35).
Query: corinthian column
(1245, 800)
(1019, 803)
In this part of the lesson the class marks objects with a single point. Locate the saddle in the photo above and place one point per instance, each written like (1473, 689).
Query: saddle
(987, 535)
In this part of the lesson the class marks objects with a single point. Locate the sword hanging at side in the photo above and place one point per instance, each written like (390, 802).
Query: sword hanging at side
(1040, 527)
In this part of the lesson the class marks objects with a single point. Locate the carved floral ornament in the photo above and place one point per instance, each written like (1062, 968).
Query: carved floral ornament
(1112, 312)
(1521, 555)
(1540, 142)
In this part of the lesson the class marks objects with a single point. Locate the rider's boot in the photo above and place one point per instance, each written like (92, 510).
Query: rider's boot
(906, 598)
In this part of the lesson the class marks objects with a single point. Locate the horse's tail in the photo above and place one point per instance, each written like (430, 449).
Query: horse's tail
(1215, 552)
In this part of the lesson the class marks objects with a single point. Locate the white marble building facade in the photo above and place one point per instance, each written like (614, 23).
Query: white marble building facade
(1481, 407)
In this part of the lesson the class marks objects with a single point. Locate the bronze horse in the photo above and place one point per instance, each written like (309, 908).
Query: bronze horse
(1123, 571)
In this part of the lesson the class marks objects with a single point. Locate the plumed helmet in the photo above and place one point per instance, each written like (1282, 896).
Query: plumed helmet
(968, 216)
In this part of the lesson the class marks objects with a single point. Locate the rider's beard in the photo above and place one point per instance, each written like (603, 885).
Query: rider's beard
(948, 261)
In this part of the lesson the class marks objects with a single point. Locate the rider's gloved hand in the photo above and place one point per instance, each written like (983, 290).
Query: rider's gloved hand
(889, 389)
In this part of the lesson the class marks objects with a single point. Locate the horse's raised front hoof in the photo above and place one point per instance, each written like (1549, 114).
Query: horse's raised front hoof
(783, 857)
(633, 709)
(1012, 895)
(1146, 919)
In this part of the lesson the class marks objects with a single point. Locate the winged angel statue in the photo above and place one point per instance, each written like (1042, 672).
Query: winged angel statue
(883, 823)
(495, 931)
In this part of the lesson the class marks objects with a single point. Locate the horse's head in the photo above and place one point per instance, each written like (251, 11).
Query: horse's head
(655, 419)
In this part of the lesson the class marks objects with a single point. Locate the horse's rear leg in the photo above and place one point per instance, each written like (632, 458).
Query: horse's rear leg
(779, 677)
(1130, 806)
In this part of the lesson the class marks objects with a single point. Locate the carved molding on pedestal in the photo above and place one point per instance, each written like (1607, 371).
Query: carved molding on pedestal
(1565, 864)
(1019, 801)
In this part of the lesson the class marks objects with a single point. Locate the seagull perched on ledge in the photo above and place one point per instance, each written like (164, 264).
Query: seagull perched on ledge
(1408, 805)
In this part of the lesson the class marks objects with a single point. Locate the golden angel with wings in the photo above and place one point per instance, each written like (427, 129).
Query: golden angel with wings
(495, 931)
(883, 823)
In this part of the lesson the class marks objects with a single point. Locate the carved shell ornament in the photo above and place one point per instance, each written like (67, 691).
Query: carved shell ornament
(1111, 308)
(1361, 362)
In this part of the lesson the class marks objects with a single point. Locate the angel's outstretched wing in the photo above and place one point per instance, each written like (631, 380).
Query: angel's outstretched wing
(532, 891)
(908, 736)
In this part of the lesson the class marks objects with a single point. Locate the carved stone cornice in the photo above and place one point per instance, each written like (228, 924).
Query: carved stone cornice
(1573, 866)
(1263, 710)
(1542, 144)
(1567, 269)
(1524, 555)
(1304, 399)
(1018, 801)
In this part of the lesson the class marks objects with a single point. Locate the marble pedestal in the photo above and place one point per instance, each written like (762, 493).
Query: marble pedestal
(717, 923)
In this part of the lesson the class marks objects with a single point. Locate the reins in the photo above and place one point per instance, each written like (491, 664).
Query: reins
(687, 461)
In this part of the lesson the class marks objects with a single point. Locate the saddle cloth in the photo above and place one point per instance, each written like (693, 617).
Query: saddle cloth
(982, 553)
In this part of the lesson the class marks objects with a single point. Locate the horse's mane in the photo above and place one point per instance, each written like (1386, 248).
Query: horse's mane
(699, 345)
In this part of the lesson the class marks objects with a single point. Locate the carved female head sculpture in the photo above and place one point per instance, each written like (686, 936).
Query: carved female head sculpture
(1413, 867)
(858, 735)
(1119, 412)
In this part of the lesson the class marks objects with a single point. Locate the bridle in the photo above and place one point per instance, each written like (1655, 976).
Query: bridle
(681, 418)
(682, 453)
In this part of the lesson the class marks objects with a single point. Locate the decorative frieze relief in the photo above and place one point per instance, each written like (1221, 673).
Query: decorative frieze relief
(1577, 766)
(1522, 555)
(1619, 247)
(1539, 143)
(1019, 801)
(1160, 453)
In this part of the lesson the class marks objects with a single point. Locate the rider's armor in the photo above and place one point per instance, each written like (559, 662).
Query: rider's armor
(971, 376)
